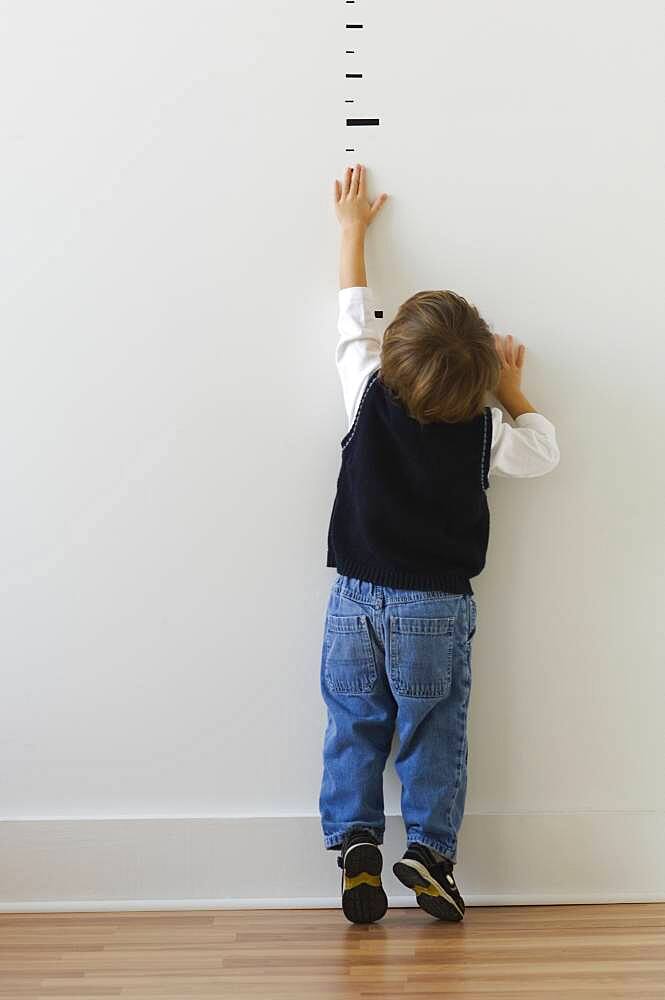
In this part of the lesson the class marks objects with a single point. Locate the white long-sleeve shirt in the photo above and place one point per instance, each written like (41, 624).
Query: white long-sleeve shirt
(527, 449)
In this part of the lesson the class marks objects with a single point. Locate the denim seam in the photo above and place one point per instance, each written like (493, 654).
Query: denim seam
(337, 687)
(439, 689)
(438, 845)
(415, 597)
(333, 839)
(460, 762)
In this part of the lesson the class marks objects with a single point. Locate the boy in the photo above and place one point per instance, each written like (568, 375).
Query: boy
(408, 529)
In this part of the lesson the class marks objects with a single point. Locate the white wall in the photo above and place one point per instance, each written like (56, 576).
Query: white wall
(170, 414)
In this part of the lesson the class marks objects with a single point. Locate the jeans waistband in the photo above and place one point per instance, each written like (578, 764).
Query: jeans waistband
(367, 592)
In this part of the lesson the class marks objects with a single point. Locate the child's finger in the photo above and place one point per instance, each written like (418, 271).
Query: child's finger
(498, 346)
(337, 190)
(355, 180)
(520, 355)
(346, 186)
(376, 204)
(362, 186)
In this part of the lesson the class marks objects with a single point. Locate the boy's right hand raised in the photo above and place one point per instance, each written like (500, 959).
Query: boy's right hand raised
(353, 208)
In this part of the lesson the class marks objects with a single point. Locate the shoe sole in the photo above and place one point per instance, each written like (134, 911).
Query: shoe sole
(430, 894)
(363, 896)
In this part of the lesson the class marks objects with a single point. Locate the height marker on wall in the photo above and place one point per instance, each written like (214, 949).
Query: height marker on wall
(351, 122)
(355, 122)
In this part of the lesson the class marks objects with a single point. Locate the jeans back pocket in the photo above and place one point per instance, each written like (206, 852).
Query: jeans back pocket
(421, 656)
(348, 664)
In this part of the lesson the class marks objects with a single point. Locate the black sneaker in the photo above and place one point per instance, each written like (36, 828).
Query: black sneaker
(432, 881)
(363, 897)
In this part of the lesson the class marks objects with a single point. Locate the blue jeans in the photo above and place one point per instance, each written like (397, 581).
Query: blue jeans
(396, 659)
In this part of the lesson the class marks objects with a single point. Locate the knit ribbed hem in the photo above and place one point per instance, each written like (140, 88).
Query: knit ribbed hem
(450, 582)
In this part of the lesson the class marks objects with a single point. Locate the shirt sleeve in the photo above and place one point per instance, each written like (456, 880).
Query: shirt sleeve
(358, 349)
(526, 450)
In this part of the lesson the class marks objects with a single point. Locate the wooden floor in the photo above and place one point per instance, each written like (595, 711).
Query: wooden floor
(522, 951)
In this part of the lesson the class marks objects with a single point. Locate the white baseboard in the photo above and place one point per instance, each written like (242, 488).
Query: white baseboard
(189, 863)
(313, 903)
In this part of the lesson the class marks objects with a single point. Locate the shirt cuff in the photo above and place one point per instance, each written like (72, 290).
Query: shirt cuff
(538, 422)
(354, 293)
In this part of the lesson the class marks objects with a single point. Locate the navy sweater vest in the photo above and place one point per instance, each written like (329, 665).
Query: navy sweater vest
(410, 509)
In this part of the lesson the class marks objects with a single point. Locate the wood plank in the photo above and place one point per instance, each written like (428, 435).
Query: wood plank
(529, 952)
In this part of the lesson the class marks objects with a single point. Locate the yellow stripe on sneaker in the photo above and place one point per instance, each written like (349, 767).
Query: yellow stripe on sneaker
(364, 878)
(428, 890)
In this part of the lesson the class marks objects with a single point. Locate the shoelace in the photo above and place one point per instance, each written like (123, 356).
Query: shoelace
(441, 870)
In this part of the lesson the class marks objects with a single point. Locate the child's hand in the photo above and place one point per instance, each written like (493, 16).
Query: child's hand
(512, 363)
(352, 207)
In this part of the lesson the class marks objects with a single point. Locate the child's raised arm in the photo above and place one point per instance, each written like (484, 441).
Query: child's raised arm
(355, 213)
